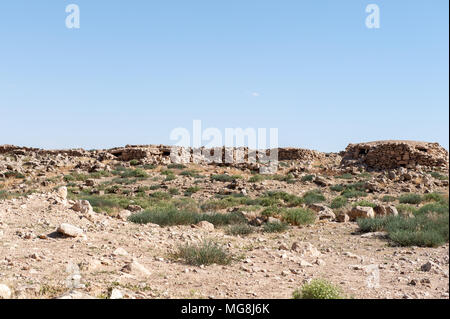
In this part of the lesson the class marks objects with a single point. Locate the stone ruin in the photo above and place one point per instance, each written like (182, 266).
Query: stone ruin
(395, 154)
(228, 155)
(373, 155)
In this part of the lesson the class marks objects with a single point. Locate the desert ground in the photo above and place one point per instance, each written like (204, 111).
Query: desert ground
(129, 222)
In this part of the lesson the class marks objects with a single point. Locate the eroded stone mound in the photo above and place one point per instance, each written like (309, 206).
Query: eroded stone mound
(395, 154)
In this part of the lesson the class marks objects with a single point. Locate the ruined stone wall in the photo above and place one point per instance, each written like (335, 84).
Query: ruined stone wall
(373, 155)
(202, 155)
(395, 154)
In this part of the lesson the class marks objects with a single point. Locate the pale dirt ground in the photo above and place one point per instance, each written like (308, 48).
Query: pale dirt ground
(37, 268)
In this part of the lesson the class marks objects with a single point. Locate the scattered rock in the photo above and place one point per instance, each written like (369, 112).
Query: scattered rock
(134, 208)
(124, 214)
(342, 218)
(375, 235)
(62, 192)
(361, 212)
(74, 294)
(120, 252)
(381, 210)
(426, 267)
(70, 230)
(83, 206)
(135, 268)
(306, 249)
(116, 294)
(5, 292)
(205, 225)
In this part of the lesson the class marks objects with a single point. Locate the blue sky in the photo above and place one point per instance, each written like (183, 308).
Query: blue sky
(135, 70)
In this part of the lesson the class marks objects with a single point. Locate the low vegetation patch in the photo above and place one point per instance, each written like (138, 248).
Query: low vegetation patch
(176, 166)
(345, 176)
(307, 178)
(388, 199)
(275, 227)
(298, 216)
(338, 202)
(439, 176)
(190, 173)
(225, 178)
(428, 228)
(337, 188)
(410, 199)
(206, 253)
(406, 209)
(318, 289)
(365, 203)
(435, 197)
(240, 229)
(170, 216)
(314, 196)
(191, 190)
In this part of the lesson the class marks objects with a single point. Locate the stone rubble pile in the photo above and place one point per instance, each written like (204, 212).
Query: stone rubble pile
(395, 154)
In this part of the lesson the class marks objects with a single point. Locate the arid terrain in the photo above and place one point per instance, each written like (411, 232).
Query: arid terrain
(120, 223)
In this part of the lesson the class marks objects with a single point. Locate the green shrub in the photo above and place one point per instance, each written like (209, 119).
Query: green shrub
(138, 172)
(4, 195)
(307, 178)
(206, 253)
(11, 174)
(174, 191)
(298, 216)
(282, 178)
(337, 188)
(345, 176)
(256, 178)
(176, 166)
(289, 178)
(76, 177)
(289, 199)
(338, 202)
(439, 208)
(318, 289)
(438, 176)
(191, 190)
(222, 203)
(142, 189)
(434, 197)
(113, 189)
(314, 196)
(170, 216)
(225, 178)
(410, 199)
(275, 227)
(367, 225)
(388, 199)
(420, 231)
(352, 193)
(169, 178)
(160, 195)
(406, 209)
(239, 229)
(190, 173)
(99, 174)
(134, 162)
(428, 228)
(365, 175)
(272, 211)
(365, 203)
